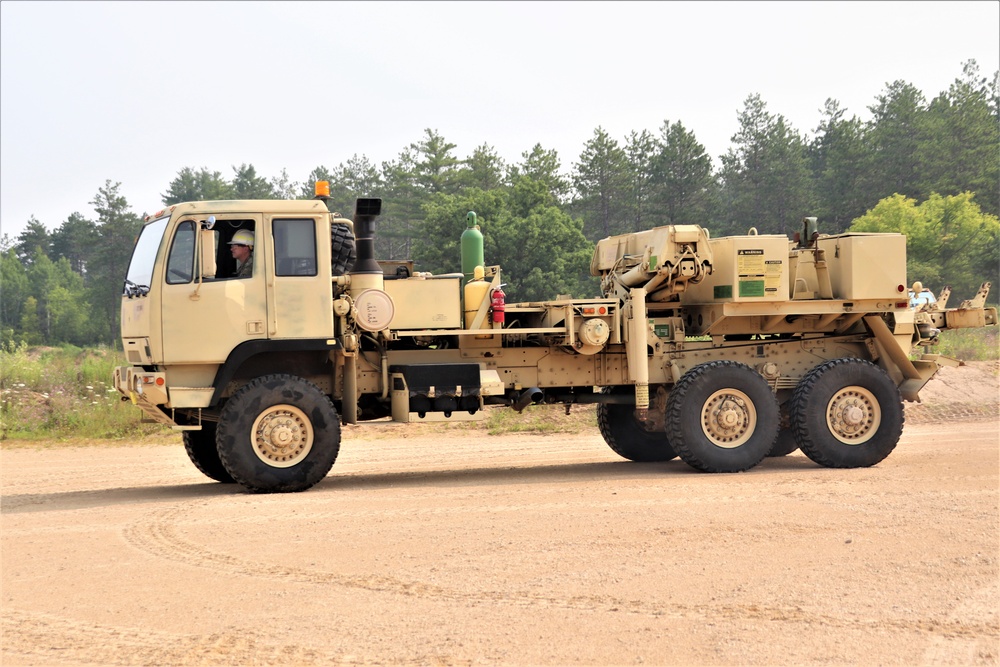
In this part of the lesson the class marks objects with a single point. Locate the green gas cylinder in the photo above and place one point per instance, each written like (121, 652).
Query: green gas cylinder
(472, 247)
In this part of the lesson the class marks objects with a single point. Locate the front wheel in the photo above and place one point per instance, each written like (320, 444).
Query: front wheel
(847, 413)
(278, 433)
(201, 449)
(722, 417)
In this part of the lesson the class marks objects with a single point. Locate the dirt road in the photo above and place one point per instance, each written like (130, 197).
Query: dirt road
(444, 548)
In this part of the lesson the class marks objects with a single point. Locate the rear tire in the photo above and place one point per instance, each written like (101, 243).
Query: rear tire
(278, 433)
(785, 443)
(722, 417)
(201, 449)
(847, 413)
(628, 438)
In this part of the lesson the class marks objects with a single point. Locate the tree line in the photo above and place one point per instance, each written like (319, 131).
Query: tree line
(928, 168)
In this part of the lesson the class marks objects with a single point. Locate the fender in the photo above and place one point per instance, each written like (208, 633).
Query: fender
(245, 351)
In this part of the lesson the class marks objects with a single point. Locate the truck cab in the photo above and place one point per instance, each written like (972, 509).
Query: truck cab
(186, 314)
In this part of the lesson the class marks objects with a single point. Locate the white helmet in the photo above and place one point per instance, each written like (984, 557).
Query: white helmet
(242, 237)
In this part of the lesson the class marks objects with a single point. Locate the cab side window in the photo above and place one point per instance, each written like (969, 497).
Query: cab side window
(180, 262)
(228, 261)
(294, 247)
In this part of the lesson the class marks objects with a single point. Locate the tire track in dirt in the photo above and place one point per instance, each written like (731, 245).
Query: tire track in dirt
(155, 534)
(969, 650)
(46, 639)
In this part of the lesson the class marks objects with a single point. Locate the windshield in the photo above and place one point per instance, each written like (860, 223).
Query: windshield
(140, 269)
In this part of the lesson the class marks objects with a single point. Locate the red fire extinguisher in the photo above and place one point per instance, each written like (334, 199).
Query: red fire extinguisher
(498, 305)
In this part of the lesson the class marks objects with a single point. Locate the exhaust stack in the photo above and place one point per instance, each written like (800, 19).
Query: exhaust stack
(366, 274)
(365, 212)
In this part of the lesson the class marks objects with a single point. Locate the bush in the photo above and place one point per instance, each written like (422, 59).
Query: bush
(61, 392)
(970, 344)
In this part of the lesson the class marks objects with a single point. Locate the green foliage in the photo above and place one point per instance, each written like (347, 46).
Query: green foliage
(970, 344)
(248, 185)
(117, 229)
(542, 255)
(438, 249)
(893, 137)
(14, 283)
(949, 240)
(837, 159)
(30, 325)
(75, 240)
(201, 185)
(484, 170)
(541, 250)
(543, 166)
(960, 138)
(282, 186)
(402, 210)
(601, 179)
(435, 165)
(766, 179)
(63, 392)
(640, 151)
(543, 419)
(681, 175)
(33, 239)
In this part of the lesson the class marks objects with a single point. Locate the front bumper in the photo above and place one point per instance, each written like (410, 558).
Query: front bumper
(146, 389)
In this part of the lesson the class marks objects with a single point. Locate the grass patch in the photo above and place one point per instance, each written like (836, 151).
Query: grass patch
(970, 344)
(56, 394)
(542, 419)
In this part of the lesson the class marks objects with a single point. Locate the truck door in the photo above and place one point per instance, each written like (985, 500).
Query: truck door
(203, 322)
(300, 294)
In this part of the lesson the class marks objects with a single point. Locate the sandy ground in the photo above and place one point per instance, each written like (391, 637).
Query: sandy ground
(450, 547)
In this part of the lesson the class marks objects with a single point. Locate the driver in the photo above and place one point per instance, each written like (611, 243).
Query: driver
(241, 246)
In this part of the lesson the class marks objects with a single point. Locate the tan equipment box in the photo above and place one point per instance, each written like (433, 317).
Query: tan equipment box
(866, 266)
(746, 269)
(433, 302)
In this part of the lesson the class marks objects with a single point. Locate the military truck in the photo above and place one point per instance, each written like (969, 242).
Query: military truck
(721, 351)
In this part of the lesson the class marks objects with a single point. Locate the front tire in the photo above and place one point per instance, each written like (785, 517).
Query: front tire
(278, 433)
(201, 449)
(722, 417)
(847, 413)
(628, 438)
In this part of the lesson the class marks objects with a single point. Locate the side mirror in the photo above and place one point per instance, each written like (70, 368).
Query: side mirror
(207, 257)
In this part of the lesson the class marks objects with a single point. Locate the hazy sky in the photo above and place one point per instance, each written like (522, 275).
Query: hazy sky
(135, 91)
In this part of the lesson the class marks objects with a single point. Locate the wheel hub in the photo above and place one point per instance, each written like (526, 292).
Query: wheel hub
(728, 418)
(282, 436)
(853, 415)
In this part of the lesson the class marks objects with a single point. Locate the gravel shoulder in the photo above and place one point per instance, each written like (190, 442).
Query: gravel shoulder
(455, 547)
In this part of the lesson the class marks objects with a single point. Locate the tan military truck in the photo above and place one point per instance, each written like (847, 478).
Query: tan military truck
(719, 350)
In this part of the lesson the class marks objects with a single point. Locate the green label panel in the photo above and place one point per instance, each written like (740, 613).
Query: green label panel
(722, 292)
(751, 288)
